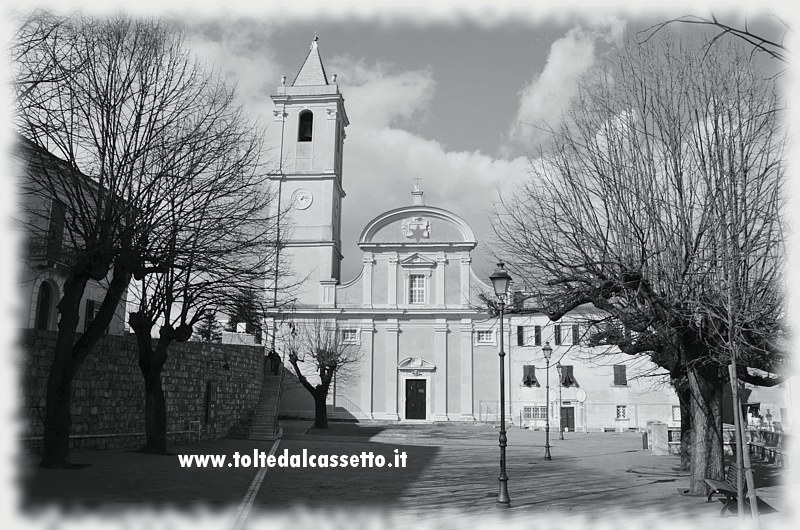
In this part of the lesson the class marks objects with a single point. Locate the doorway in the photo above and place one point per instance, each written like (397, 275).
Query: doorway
(568, 418)
(416, 400)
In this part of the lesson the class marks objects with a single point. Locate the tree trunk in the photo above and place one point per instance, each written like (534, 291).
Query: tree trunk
(155, 411)
(320, 410)
(57, 418)
(71, 350)
(684, 398)
(706, 407)
(151, 363)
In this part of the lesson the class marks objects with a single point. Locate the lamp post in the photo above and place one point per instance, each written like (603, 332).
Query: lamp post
(560, 411)
(547, 351)
(500, 280)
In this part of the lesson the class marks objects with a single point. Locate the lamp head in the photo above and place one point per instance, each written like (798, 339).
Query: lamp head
(547, 350)
(500, 280)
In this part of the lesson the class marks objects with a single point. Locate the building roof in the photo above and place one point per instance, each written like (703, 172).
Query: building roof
(312, 72)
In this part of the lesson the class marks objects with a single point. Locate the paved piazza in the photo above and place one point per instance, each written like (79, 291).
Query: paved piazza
(450, 480)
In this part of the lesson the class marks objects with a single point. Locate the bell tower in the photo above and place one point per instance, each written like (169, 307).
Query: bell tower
(312, 121)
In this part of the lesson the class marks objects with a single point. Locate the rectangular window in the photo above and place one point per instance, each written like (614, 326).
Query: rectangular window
(486, 336)
(416, 292)
(557, 334)
(529, 375)
(567, 377)
(622, 412)
(620, 376)
(534, 413)
(529, 335)
(676, 413)
(576, 334)
(350, 336)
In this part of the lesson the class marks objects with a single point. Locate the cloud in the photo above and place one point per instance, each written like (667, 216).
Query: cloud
(241, 51)
(381, 158)
(378, 98)
(542, 101)
(382, 163)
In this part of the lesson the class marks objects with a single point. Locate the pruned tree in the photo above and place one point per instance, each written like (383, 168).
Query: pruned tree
(631, 211)
(126, 108)
(216, 245)
(326, 353)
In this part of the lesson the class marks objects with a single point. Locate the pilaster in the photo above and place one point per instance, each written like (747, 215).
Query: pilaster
(441, 262)
(440, 376)
(367, 360)
(467, 412)
(368, 262)
(392, 350)
(465, 290)
(392, 283)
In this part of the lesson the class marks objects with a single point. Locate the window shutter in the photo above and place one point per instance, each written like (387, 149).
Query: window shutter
(529, 375)
(537, 335)
(620, 377)
(576, 334)
(520, 336)
(526, 375)
(567, 377)
(557, 334)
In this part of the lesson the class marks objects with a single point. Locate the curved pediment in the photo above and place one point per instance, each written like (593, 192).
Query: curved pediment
(417, 225)
(416, 364)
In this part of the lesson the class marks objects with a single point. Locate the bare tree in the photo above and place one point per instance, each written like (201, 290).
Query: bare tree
(116, 99)
(626, 212)
(216, 245)
(774, 48)
(326, 353)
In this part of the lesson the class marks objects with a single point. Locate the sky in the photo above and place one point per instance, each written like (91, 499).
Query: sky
(458, 104)
(447, 93)
(452, 105)
(454, 96)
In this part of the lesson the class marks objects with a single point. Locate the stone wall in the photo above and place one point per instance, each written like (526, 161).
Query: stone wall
(208, 387)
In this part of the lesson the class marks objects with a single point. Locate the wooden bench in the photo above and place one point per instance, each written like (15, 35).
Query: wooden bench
(726, 488)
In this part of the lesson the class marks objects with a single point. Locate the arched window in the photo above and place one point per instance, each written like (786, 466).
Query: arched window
(43, 306)
(306, 127)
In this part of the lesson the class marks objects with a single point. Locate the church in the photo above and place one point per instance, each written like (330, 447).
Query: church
(427, 348)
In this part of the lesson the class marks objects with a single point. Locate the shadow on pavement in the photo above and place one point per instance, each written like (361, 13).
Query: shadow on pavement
(347, 429)
(341, 487)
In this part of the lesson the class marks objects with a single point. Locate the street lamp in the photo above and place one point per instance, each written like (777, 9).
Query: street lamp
(547, 351)
(560, 411)
(500, 280)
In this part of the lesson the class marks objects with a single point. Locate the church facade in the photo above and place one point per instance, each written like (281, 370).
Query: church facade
(427, 350)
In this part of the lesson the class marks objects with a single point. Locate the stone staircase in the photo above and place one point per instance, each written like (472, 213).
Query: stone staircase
(263, 426)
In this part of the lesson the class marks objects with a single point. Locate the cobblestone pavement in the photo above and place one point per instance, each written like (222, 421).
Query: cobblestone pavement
(452, 473)
(450, 481)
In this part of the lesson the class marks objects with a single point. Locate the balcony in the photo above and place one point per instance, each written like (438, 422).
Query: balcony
(46, 252)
